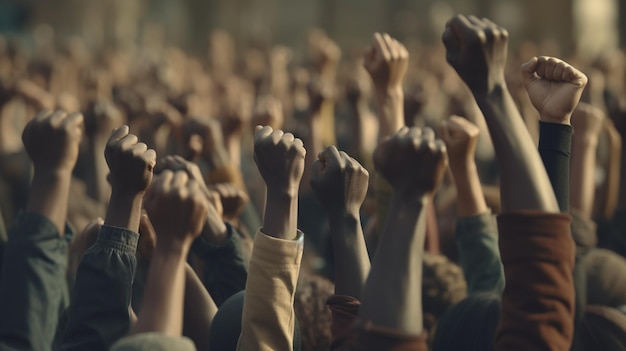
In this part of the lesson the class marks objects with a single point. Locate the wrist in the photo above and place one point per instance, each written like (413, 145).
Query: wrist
(340, 218)
(215, 231)
(171, 248)
(390, 92)
(565, 119)
(54, 174)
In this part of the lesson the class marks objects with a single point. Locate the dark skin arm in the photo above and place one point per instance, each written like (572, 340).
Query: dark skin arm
(340, 184)
(414, 163)
(524, 182)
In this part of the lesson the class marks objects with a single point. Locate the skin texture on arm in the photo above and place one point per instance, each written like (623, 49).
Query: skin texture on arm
(587, 121)
(413, 162)
(178, 209)
(477, 49)
(340, 184)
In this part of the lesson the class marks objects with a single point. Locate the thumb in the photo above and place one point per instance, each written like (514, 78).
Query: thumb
(528, 70)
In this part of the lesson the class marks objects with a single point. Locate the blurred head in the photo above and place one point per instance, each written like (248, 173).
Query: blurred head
(606, 278)
(469, 325)
(311, 310)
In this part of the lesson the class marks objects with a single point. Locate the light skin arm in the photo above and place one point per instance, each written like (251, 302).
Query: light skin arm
(392, 294)
(587, 121)
(461, 137)
(280, 160)
(386, 61)
(177, 208)
(340, 184)
(199, 310)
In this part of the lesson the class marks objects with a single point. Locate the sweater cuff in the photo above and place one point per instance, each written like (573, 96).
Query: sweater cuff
(555, 137)
(117, 238)
(277, 252)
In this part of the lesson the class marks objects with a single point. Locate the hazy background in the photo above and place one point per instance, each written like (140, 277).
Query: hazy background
(585, 26)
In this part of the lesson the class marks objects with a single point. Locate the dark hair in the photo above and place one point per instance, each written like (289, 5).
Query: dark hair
(602, 328)
(469, 325)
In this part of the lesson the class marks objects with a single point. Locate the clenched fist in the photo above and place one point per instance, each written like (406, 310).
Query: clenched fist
(177, 208)
(554, 87)
(477, 50)
(130, 162)
(460, 137)
(386, 60)
(412, 160)
(280, 159)
(339, 182)
(52, 140)
(588, 121)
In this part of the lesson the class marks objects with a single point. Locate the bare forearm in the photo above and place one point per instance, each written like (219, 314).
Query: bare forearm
(49, 195)
(582, 174)
(525, 183)
(281, 214)
(199, 310)
(352, 264)
(124, 210)
(233, 145)
(390, 107)
(470, 197)
(392, 296)
(162, 308)
(313, 143)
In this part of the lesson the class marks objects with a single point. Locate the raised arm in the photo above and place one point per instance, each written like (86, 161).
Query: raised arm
(386, 60)
(340, 184)
(33, 290)
(476, 234)
(477, 49)
(268, 315)
(413, 162)
(99, 313)
(535, 243)
(177, 208)
(587, 121)
(554, 88)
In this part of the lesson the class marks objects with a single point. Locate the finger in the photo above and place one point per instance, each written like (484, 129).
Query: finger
(316, 172)
(528, 70)
(298, 143)
(461, 26)
(150, 156)
(541, 66)
(180, 179)
(128, 141)
(428, 134)
(476, 21)
(402, 132)
(139, 148)
(289, 138)
(57, 118)
(559, 68)
(551, 63)
(43, 114)
(74, 119)
(444, 130)
(119, 133)
(381, 46)
(261, 132)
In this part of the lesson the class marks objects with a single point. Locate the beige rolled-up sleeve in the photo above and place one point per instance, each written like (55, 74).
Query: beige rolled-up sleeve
(268, 315)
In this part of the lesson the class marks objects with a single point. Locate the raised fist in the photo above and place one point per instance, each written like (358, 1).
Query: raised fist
(412, 160)
(386, 60)
(177, 208)
(587, 120)
(52, 140)
(554, 87)
(280, 159)
(460, 137)
(130, 162)
(477, 50)
(232, 200)
(339, 181)
(202, 137)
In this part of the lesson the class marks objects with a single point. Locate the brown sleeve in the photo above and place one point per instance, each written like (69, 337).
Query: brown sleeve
(345, 311)
(538, 301)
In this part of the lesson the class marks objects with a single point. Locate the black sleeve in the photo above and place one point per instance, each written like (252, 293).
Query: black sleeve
(555, 148)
